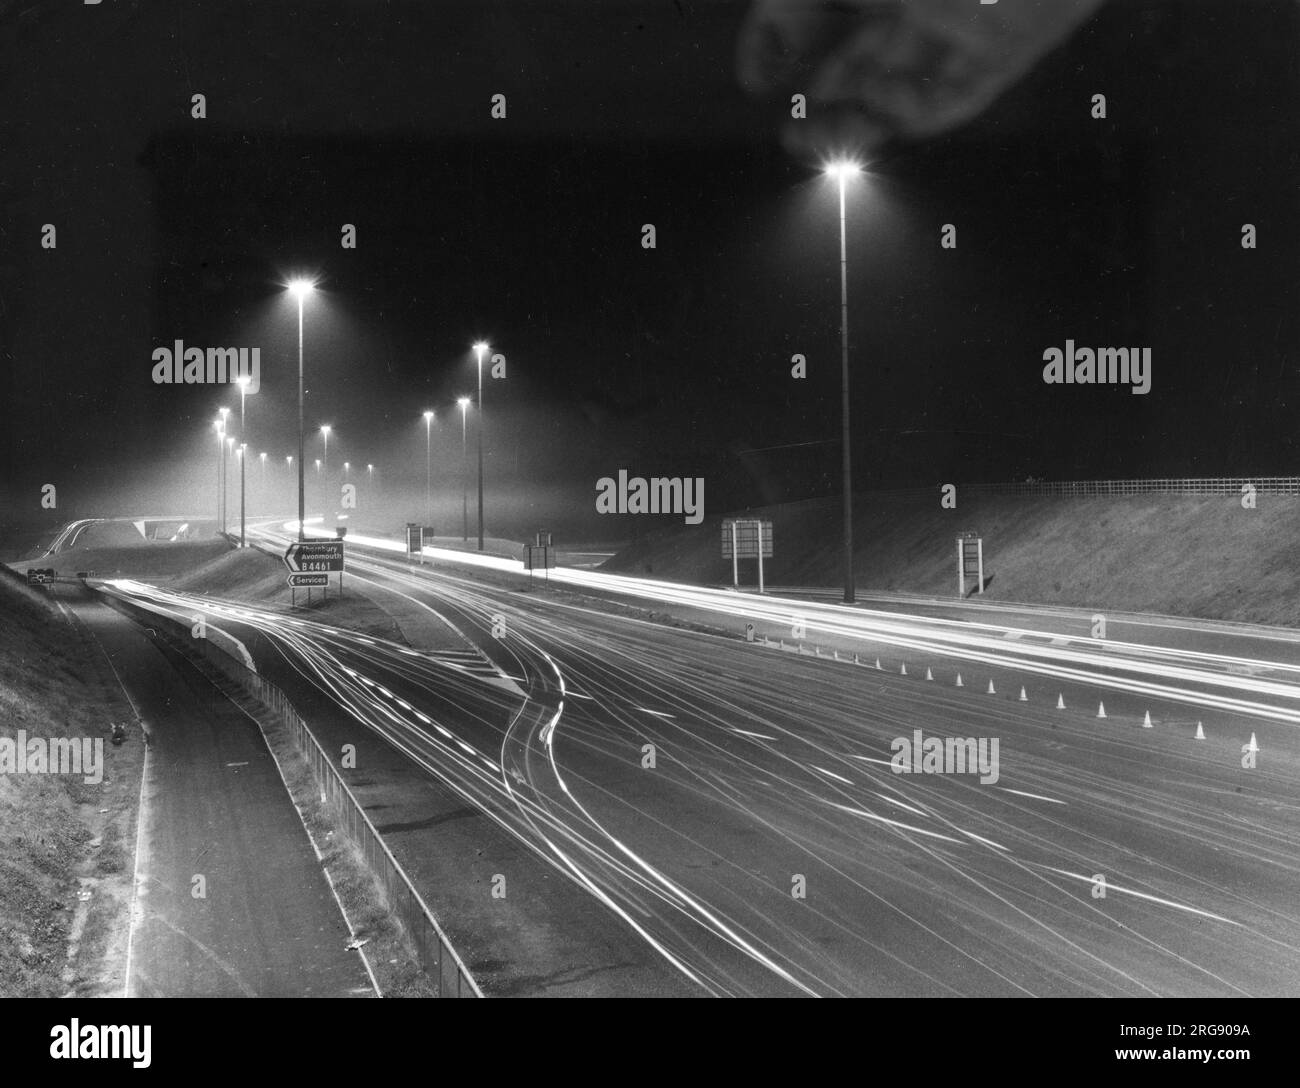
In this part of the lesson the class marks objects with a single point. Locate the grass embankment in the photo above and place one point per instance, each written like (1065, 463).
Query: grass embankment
(65, 844)
(1183, 555)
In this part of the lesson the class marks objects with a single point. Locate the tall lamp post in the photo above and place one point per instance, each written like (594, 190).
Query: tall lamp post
(479, 349)
(243, 444)
(220, 426)
(464, 471)
(222, 432)
(842, 172)
(300, 289)
(428, 468)
(225, 498)
(325, 482)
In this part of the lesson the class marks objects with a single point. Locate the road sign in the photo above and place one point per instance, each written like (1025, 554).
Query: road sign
(315, 555)
(970, 562)
(742, 534)
(298, 581)
(746, 538)
(41, 576)
(538, 557)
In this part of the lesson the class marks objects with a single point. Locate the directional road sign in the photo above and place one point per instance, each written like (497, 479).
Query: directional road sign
(315, 555)
(299, 581)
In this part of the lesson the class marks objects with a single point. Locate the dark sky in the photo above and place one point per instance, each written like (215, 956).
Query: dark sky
(526, 231)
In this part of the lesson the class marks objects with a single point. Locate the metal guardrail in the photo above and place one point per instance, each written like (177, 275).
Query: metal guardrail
(436, 955)
(433, 949)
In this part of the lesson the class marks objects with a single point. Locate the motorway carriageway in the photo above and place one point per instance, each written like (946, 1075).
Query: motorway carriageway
(771, 849)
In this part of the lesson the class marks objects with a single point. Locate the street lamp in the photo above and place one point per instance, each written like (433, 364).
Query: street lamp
(300, 289)
(325, 483)
(225, 498)
(464, 471)
(242, 382)
(222, 431)
(219, 425)
(428, 468)
(842, 172)
(479, 349)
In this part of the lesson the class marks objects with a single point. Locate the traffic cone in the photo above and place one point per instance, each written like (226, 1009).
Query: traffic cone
(1060, 702)
(902, 669)
(877, 662)
(928, 674)
(990, 691)
(1146, 721)
(1023, 697)
(1101, 709)
(959, 683)
(1200, 732)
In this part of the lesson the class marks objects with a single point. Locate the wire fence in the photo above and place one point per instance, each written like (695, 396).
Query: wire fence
(1174, 485)
(1185, 485)
(433, 949)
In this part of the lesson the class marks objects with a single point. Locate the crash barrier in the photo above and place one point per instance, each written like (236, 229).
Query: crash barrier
(434, 951)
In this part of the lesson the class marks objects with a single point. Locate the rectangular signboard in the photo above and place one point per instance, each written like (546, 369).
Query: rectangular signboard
(315, 555)
(413, 539)
(538, 558)
(746, 538)
(299, 581)
(38, 576)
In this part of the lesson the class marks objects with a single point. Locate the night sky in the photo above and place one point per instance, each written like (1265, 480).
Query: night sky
(526, 232)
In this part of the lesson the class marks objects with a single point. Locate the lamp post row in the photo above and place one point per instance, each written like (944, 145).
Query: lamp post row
(841, 172)
(300, 289)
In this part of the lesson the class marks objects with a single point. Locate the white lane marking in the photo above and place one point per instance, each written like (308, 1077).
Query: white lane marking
(244, 764)
(830, 774)
(1143, 895)
(1035, 796)
(747, 733)
(987, 842)
(894, 801)
(871, 759)
(656, 713)
(894, 823)
(579, 695)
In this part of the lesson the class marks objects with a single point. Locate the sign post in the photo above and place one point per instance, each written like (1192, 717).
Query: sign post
(539, 556)
(318, 557)
(746, 538)
(414, 540)
(970, 562)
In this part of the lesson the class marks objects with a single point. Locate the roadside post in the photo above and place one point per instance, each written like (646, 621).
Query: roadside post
(746, 538)
(311, 562)
(970, 562)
